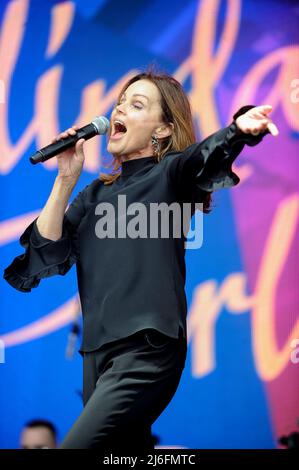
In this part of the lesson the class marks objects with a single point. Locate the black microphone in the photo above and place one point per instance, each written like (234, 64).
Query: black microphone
(72, 339)
(99, 125)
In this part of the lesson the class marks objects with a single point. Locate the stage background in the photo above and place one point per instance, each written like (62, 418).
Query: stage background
(62, 63)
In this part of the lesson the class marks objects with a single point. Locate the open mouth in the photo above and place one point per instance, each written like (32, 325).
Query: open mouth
(119, 129)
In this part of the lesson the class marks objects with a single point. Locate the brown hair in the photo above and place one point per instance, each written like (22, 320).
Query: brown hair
(175, 109)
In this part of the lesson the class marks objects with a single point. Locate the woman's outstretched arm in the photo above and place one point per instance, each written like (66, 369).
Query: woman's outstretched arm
(208, 163)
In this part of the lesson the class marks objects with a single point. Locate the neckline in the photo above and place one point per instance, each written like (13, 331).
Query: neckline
(129, 167)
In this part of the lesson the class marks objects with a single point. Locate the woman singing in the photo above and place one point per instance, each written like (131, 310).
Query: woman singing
(131, 280)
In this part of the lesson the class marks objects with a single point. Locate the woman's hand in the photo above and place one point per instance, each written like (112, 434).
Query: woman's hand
(256, 120)
(70, 162)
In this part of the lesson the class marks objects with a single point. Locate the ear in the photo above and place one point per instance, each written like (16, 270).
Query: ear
(164, 131)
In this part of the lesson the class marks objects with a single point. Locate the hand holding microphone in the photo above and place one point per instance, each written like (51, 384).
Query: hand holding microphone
(68, 147)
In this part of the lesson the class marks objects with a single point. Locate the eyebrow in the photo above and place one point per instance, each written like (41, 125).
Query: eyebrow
(137, 94)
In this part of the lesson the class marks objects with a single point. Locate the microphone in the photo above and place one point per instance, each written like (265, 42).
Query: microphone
(72, 339)
(99, 125)
(74, 332)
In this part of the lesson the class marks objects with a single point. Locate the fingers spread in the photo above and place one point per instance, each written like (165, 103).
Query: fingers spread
(261, 113)
(272, 129)
(264, 109)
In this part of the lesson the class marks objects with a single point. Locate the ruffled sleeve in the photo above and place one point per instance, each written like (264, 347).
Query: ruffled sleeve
(208, 164)
(44, 257)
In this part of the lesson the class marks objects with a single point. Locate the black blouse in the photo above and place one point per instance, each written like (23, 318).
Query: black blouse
(128, 284)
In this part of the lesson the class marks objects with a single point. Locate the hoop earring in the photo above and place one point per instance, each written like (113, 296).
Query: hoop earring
(156, 145)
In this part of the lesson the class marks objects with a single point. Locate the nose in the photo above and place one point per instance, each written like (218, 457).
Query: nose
(120, 108)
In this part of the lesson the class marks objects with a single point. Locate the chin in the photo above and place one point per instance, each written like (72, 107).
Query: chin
(112, 148)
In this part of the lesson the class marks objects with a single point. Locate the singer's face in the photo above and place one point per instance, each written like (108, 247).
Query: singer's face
(139, 110)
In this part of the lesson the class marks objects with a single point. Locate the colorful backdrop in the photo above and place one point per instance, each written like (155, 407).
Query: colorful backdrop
(62, 63)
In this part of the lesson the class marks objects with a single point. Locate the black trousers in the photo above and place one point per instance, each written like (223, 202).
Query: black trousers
(126, 385)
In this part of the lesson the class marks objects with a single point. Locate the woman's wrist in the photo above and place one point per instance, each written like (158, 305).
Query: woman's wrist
(65, 183)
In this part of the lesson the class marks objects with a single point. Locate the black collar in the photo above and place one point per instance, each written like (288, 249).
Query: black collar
(129, 167)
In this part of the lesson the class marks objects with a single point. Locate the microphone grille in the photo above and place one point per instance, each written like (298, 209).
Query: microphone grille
(101, 123)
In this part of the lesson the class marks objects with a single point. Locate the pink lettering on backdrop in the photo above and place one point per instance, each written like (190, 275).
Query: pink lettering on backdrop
(206, 69)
